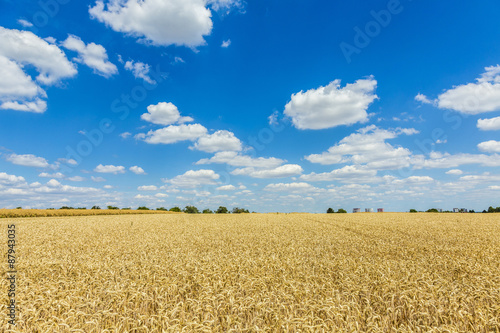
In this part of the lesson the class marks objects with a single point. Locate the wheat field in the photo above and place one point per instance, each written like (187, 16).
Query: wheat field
(390, 272)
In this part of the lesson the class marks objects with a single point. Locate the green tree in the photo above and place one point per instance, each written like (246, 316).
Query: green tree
(112, 207)
(432, 210)
(342, 211)
(191, 210)
(221, 210)
(330, 211)
(207, 211)
(143, 208)
(413, 210)
(175, 209)
(96, 207)
(162, 209)
(237, 210)
(66, 207)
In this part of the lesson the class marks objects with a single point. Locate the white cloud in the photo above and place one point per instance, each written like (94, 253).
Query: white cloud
(414, 180)
(455, 172)
(234, 159)
(423, 99)
(51, 175)
(125, 135)
(25, 23)
(494, 187)
(97, 179)
(161, 195)
(219, 141)
(491, 146)
(474, 98)
(226, 188)
(194, 178)
(225, 44)
(147, 188)
(7, 179)
(28, 160)
(369, 147)
(349, 173)
(137, 170)
(92, 55)
(108, 187)
(287, 170)
(290, 187)
(445, 161)
(17, 89)
(140, 70)
(24, 47)
(332, 106)
(76, 179)
(66, 161)
(172, 134)
(109, 169)
(164, 114)
(179, 22)
(492, 124)
(226, 5)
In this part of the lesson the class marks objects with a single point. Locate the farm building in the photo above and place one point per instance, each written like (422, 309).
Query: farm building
(356, 210)
(380, 210)
(368, 210)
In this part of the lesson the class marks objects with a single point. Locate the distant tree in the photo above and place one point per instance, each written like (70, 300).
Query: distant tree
(19, 207)
(413, 210)
(175, 209)
(82, 208)
(237, 210)
(432, 210)
(207, 211)
(66, 207)
(342, 211)
(162, 209)
(472, 211)
(330, 211)
(484, 211)
(113, 207)
(96, 207)
(126, 208)
(491, 210)
(191, 210)
(143, 208)
(221, 210)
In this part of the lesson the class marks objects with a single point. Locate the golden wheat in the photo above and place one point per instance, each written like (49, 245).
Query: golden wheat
(258, 272)
(11, 213)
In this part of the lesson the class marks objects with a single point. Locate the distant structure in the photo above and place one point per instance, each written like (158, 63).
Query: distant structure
(368, 210)
(463, 210)
(456, 210)
(356, 210)
(440, 210)
(380, 210)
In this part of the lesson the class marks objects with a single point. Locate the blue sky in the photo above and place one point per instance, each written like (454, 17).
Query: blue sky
(259, 104)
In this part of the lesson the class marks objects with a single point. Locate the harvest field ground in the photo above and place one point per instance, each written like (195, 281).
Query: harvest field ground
(6, 213)
(386, 272)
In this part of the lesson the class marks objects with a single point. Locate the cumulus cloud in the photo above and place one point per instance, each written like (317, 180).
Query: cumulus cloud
(474, 98)
(137, 170)
(18, 91)
(76, 179)
(331, 106)
(455, 172)
(290, 187)
(125, 135)
(492, 124)
(92, 55)
(164, 114)
(368, 146)
(178, 22)
(25, 23)
(140, 70)
(28, 160)
(6, 179)
(446, 160)
(172, 134)
(423, 99)
(147, 188)
(287, 170)
(491, 146)
(51, 175)
(235, 159)
(218, 141)
(349, 173)
(97, 179)
(225, 44)
(226, 188)
(109, 169)
(194, 178)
